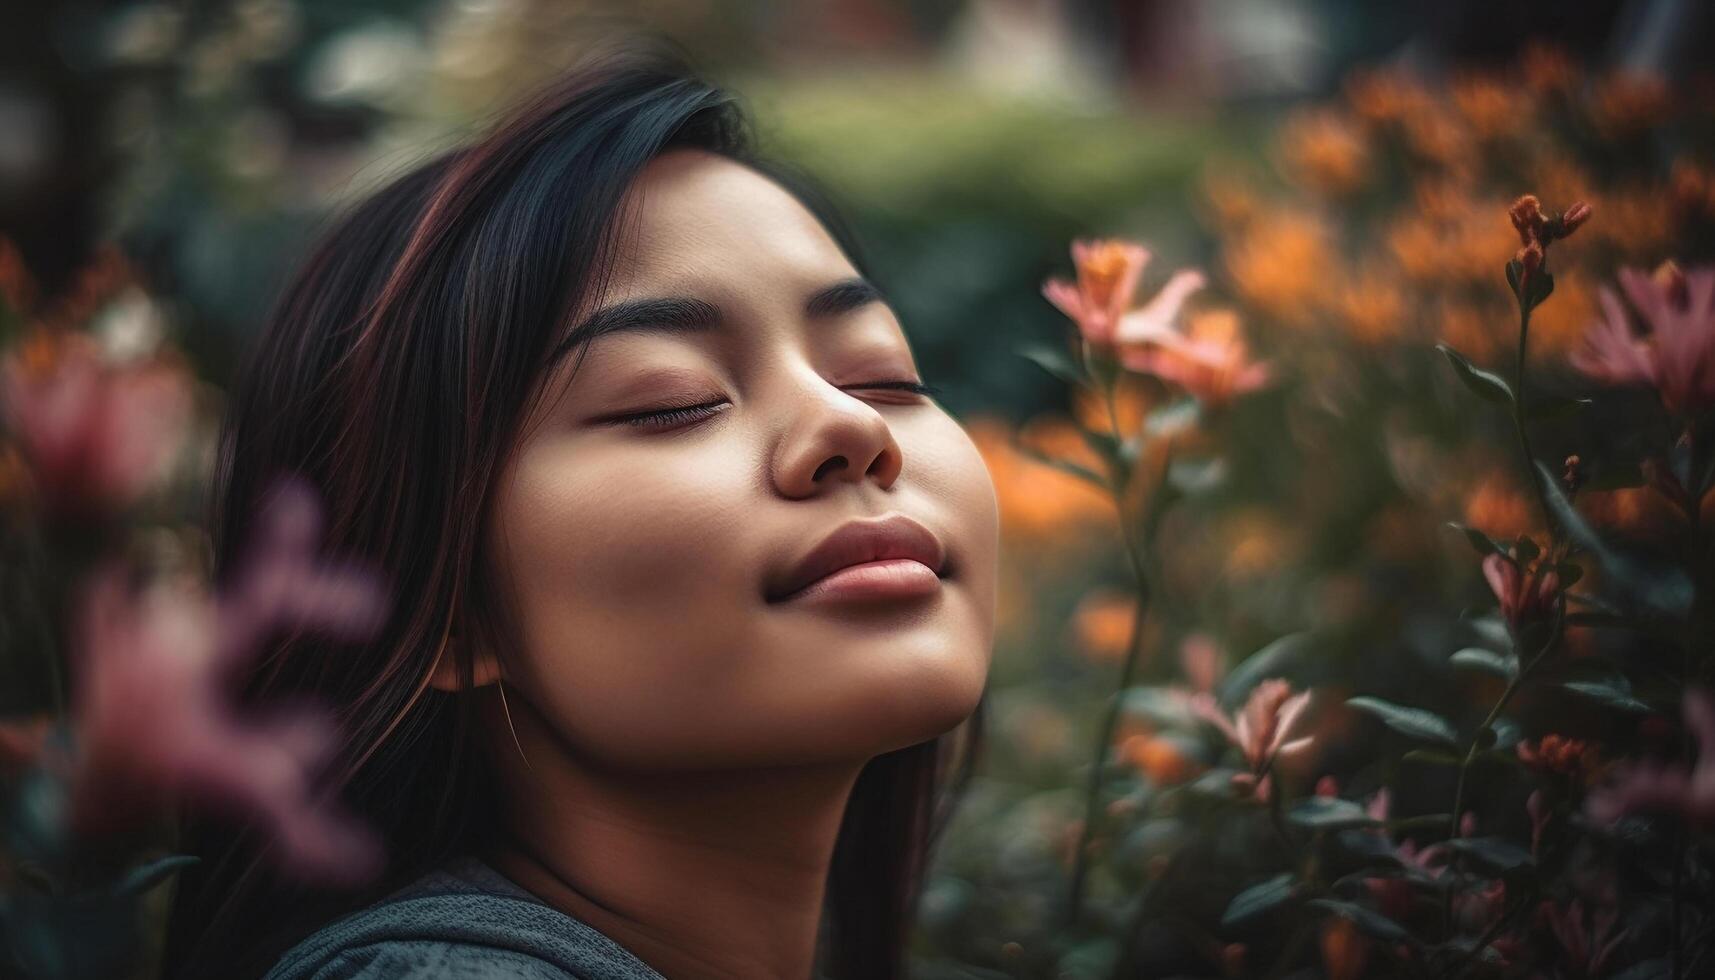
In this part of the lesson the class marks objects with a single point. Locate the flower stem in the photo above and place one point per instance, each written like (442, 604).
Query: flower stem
(1093, 789)
(1476, 745)
(1518, 415)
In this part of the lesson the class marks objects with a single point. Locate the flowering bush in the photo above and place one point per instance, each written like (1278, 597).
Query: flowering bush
(1476, 751)
(111, 606)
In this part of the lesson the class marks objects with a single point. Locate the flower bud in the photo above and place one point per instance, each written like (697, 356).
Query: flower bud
(1530, 258)
(1527, 217)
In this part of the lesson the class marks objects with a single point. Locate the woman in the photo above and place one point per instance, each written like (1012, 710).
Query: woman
(610, 402)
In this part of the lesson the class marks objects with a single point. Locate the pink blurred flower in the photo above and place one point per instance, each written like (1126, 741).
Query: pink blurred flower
(1108, 271)
(1651, 787)
(1211, 362)
(1677, 356)
(96, 434)
(1520, 602)
(1200, 658)
(1261, 729)
(152, 717)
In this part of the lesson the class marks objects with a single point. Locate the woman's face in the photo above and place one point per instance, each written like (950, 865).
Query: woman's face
(641, 555)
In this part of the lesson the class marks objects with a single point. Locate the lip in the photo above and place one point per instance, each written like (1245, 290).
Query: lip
(865, 554)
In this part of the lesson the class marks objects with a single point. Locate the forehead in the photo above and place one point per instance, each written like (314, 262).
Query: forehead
(698, 217)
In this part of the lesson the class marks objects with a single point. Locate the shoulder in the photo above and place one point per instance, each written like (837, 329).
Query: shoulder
(457, 924)
(402, 959)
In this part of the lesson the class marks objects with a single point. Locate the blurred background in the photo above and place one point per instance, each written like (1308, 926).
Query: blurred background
(1340, 170)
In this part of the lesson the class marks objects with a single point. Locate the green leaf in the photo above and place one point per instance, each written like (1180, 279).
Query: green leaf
(1486, 384)
(1476, 658)
(1272, 660)
(1056, 362)
(1106, 446)
(1431, 757)
(1614, 693)
(1541, 407)
(1423, 821)
(1369, 922)
(1258, 899)
(1665, 591)
(1540, 286)
(1415, 722)
(1329, 813)
(1537, 288)
(144, 877)
(1173, 418)
(1483, 544)
(1494, 853)
(1196, 475)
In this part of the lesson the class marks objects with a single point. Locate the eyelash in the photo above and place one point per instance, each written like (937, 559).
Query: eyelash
(670, 416)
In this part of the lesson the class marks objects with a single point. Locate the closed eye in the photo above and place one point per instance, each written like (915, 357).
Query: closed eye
(668, 417)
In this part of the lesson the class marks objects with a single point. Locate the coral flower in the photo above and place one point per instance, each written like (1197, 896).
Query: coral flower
(1519, 602)
(95, 434)
(1211, 362)
(1261, 729)
(153, 721)
(1677, 357)
(1108, 271)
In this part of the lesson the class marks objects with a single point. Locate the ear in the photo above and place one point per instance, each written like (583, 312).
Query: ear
(446, 675)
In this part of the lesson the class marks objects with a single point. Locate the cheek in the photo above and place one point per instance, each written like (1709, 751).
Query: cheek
(635, 588)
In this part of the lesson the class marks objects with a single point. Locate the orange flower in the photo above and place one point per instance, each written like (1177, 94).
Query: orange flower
(1158, 758)
(1489, 106)
(1383, 96)
(1343, 949)
(1103, 623)
(1273, 265)
(1324, 151)
(1548, 68)
(1108, 271)
(1625, 104)
(1035, 499)
(1212, 362)
(1372, 308)
(1499, 508)
(1559, 754)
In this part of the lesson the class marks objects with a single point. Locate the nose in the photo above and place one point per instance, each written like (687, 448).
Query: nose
(833, 437)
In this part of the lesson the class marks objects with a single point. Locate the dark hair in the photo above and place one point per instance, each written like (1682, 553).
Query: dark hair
(393, 374)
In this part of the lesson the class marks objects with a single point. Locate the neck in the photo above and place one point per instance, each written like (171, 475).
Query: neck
(699, 874)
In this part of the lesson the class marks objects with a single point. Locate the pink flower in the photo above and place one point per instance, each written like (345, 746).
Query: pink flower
(1649, 786)
(1677, 357)
(1261, 729)
(1211, 362)
(1200, 659)
(1520, 602)
(1108, 271)
(152, 717)
(96, 434)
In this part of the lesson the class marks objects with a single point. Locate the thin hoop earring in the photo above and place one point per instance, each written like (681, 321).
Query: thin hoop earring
(501, 685)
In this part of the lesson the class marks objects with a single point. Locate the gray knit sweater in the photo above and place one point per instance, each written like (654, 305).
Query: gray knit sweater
(462, 921)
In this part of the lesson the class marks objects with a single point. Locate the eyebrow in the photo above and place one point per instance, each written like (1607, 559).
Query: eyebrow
(686, 315)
